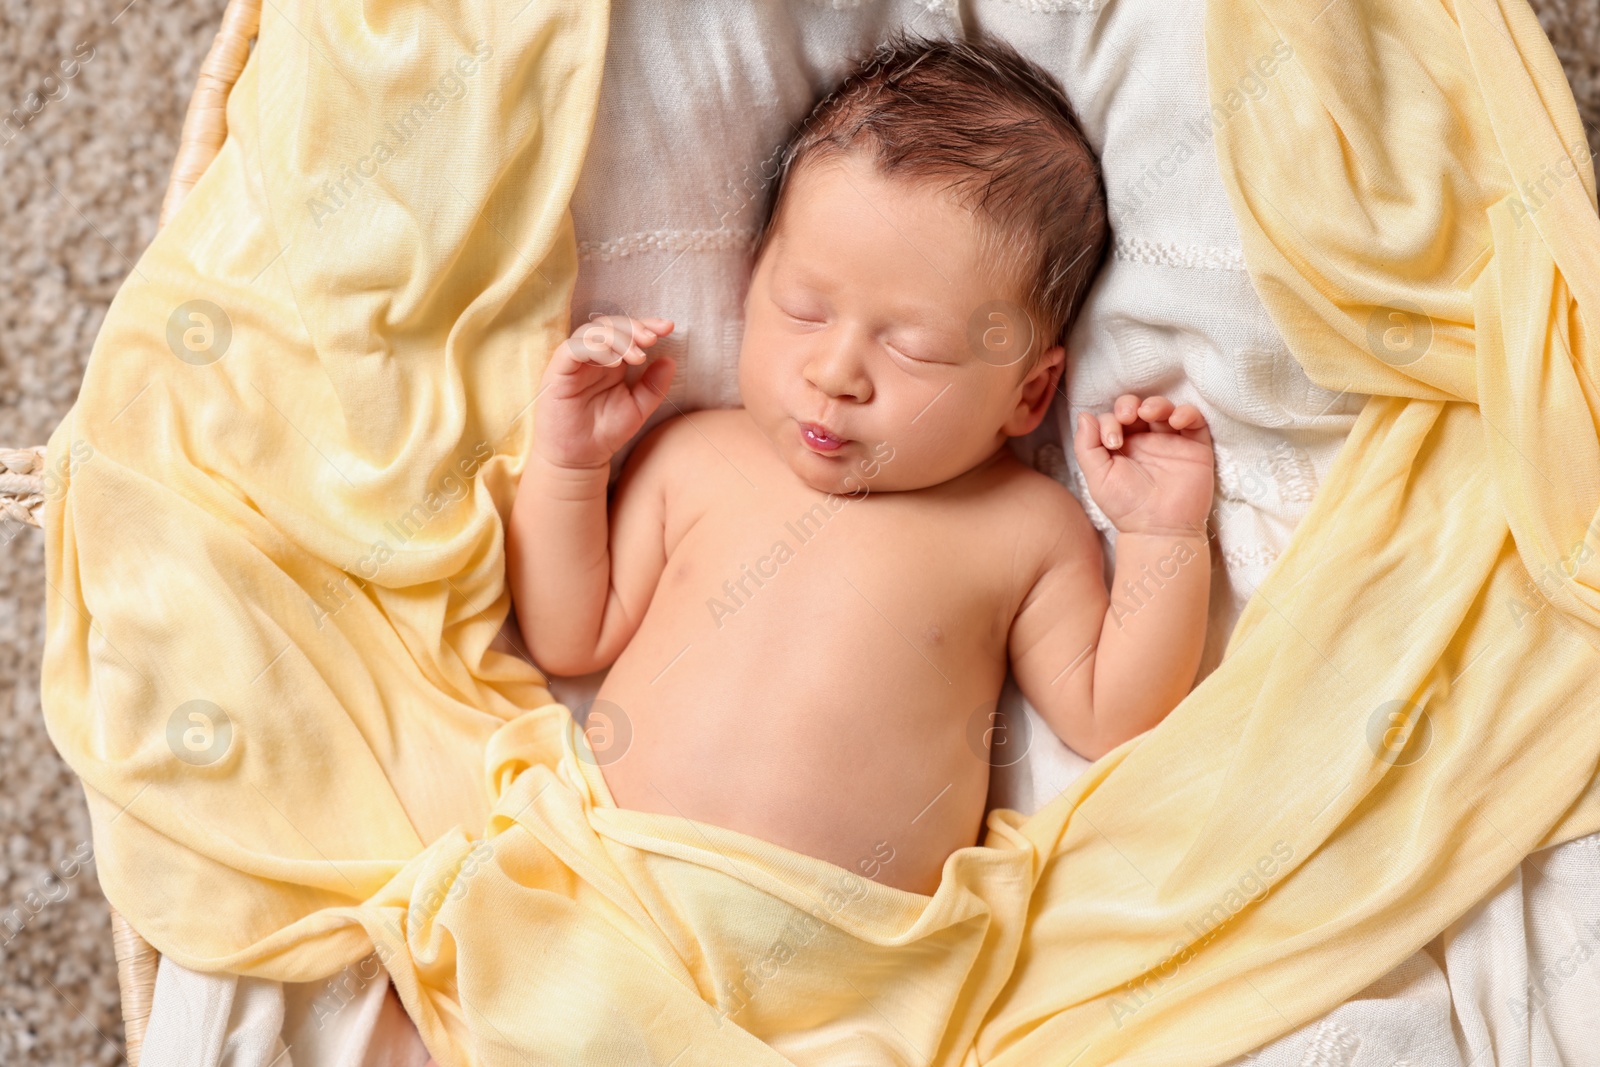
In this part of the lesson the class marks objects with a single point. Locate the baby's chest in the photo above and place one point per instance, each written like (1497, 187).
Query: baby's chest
(849, 565)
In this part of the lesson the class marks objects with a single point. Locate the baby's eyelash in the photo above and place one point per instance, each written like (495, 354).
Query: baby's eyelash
(907, 355)
(820, 322)
(786, 313)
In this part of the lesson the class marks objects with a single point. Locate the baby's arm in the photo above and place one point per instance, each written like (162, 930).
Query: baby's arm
(1104, 669)
(581, 574)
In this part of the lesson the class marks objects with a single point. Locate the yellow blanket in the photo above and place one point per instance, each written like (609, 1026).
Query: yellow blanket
(275, 550)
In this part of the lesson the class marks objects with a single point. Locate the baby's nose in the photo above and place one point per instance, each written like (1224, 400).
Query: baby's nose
(839, 371)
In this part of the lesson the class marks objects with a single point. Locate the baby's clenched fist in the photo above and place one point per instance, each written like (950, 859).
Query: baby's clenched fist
(586, 409)
(1149, 464)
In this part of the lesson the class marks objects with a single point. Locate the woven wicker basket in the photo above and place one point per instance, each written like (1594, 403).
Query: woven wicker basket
(21, 469)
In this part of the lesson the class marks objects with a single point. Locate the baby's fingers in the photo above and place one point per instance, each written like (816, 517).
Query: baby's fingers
(602, 343)
(1188, 420)
(1125, 409)
(642, 331)
(1110, 424)
(1154, 409)
(1088, 445)
(610, 339)
(651, 388)
(584, 349)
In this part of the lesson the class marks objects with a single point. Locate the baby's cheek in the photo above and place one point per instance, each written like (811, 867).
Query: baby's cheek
(761, 382)
(922, 446)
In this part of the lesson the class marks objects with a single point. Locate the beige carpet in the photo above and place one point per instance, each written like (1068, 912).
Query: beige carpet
(80, 185)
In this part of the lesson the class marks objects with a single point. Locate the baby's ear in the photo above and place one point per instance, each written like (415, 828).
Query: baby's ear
(1038, 389)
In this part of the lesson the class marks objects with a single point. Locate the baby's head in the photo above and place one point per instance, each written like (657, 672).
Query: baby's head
(932, 230)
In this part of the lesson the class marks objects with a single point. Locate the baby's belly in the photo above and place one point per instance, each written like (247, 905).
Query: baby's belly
(845, 723)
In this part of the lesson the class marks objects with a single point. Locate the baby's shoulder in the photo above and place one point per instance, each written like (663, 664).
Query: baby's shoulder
(690, 432)
(1011, 483)
(1046, 518)
(719, 426)
(697, 443)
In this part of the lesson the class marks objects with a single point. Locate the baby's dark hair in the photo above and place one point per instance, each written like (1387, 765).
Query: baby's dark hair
(993, 129)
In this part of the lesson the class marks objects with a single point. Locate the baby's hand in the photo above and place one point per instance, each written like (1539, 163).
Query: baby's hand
(1149, 465)
(586, 409)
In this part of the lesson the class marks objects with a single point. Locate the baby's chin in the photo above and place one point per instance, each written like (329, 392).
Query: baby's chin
(832, 476)
(855, 470)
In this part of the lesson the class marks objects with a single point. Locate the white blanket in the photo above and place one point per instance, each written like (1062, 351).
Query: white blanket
(713, 86)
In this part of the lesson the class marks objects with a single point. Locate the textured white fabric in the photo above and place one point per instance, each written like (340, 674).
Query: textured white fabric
(212, 1020)
(694, 105)
(221, 1020)
(1514, 983)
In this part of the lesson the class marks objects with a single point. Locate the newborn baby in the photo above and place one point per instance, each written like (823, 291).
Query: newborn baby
(809, 604)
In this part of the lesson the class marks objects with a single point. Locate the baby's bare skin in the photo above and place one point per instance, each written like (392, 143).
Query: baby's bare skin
(839, 708)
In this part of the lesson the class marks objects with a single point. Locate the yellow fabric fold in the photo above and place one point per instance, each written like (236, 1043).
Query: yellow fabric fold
(285, 474)
(276, 564)
(1406, 707)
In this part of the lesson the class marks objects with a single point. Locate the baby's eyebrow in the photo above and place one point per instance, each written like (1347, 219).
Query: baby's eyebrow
(805, 277)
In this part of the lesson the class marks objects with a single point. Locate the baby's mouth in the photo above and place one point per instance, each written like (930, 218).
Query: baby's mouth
(819, 438)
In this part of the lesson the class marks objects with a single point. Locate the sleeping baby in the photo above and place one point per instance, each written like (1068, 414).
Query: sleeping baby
(809, 604)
